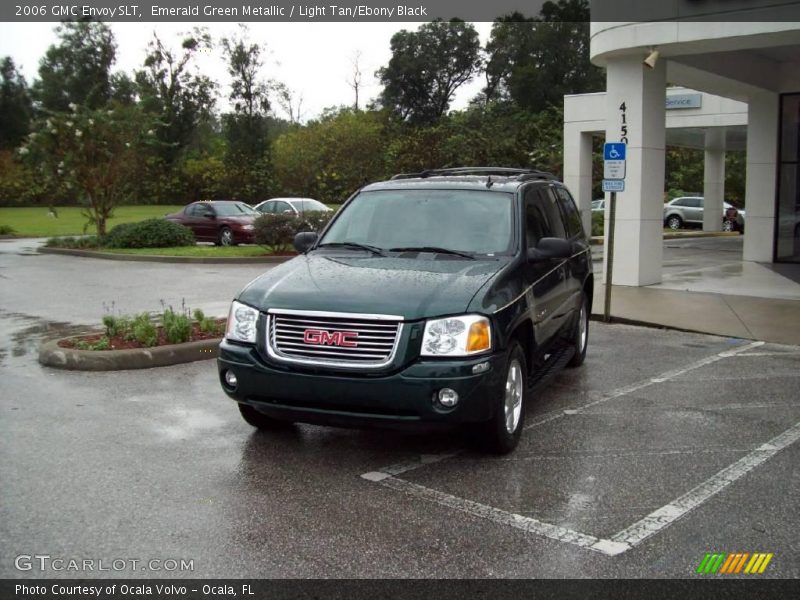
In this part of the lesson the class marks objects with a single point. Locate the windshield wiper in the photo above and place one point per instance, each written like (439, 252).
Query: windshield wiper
(373, 249)
(432, 249)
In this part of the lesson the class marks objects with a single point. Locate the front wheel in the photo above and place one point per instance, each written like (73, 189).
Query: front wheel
(501, 434)
(580, 336)
(674, 222)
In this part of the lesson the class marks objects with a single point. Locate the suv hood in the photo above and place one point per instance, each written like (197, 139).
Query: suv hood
(408, 287)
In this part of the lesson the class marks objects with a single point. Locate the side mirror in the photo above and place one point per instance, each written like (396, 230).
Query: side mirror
(548, 248)
(304, 240)
(288, 212)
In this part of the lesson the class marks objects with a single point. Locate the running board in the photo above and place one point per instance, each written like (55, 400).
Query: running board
(557, 360)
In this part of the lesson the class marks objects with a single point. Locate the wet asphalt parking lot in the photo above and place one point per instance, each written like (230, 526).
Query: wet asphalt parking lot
(662, 447)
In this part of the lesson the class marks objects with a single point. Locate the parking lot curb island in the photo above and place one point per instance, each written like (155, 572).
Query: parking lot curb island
(53, 355)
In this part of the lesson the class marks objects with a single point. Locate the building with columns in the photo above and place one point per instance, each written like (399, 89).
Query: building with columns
(741, 91)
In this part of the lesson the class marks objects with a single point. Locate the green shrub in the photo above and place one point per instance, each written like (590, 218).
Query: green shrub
(314, 221)
(143, 330)
(7, 230)
(102, 344)
(152, 233)
(206, 324)
(117, 326)
(177, 327)
(87, 242)
(275, 231)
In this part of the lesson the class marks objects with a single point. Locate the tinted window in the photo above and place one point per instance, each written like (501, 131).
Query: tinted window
(535, 219)
(689, 202)
(550, 207)
(466, 220)
(309, 205)
(571, 214)
(281, 206)
(198, 210)
(233, 209)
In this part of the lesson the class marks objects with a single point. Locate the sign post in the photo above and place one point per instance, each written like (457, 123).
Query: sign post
(613, 181)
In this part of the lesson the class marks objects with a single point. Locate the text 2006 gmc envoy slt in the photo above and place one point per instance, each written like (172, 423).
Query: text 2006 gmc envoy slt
(437, 297)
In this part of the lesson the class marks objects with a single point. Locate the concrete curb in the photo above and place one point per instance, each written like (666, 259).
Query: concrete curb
(52, 355)
(233, 260)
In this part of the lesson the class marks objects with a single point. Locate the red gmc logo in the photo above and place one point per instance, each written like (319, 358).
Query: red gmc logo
(320, 337)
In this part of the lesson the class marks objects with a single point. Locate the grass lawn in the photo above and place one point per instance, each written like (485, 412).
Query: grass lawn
(34, 222)
(204, 250)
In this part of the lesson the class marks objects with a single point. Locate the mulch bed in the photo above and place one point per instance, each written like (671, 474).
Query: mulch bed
(120, 343)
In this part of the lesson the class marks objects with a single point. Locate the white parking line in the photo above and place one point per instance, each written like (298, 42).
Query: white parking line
(666, 515)
(628, 537)
(527, 524)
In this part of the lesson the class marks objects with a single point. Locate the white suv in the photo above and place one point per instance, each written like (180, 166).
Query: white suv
(688, 210)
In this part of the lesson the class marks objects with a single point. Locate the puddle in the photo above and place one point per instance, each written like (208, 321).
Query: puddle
(34, 331)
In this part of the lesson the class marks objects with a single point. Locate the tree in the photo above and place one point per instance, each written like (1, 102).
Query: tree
(77, 70)
(534, 62)
(246, 129)
(15, 105)
(354, 81)
(95, 154)
(329, 158)
(289, 100)
(427, 67)
(180, 98)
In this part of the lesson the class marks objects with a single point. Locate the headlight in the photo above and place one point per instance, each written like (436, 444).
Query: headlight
(457, 336)
(242, 323)
(247, 227)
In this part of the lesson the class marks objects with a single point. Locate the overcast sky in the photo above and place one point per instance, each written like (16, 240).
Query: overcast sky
(313, 59)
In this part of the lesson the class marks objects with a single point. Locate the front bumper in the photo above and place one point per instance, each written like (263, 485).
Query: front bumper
(403, 396)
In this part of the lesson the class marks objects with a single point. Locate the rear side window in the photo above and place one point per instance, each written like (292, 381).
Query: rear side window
(542, 216)
(572, 217)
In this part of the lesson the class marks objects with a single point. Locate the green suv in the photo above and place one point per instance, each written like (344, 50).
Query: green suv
(446, 296)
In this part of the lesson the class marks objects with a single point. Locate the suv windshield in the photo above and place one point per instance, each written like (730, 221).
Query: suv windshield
(472, 221)
(233, 209)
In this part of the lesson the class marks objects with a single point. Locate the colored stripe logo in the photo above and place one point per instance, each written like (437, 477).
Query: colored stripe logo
(736, 563)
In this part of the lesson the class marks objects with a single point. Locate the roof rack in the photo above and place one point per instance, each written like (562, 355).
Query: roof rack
(519, 174)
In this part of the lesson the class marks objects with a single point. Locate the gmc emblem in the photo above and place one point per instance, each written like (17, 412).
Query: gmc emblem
(320, 337)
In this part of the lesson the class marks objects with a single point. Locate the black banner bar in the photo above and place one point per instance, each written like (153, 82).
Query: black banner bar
(279, 589)
(386, 10)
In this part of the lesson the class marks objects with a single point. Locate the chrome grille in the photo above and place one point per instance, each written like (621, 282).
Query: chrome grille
(332, 339)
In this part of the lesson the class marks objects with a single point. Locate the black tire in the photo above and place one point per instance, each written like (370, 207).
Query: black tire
(259, 420)
(580, 334)
(495, 436)
(225, 237)
(674, 222)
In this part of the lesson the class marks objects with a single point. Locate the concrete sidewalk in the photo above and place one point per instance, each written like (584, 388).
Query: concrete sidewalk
(752, 301)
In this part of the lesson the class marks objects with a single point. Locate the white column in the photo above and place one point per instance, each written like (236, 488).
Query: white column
(714, 179)
(578, 170)
(762, 164)
(640, 208)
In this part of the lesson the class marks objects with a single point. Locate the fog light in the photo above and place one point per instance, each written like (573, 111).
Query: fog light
(448, 397)
(230, 379)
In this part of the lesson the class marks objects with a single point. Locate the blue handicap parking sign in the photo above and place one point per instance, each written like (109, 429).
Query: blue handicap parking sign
(614, 151)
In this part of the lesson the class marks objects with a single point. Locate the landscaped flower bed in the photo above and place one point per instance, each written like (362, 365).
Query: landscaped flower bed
(142, 331)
